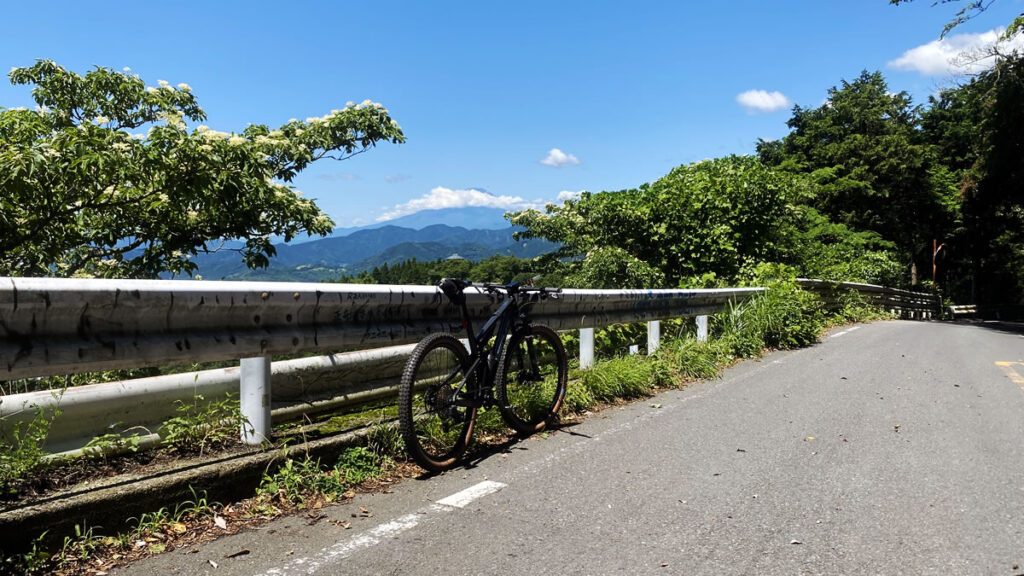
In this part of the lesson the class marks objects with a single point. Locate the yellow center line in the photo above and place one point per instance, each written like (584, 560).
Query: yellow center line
(1012, 372)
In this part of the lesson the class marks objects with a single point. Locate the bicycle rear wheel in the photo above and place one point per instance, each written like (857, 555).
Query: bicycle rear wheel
(435, 428)
(531, 379)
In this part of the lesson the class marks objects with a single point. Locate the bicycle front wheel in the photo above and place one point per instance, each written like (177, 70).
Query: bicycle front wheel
(435, 421)
(531, 379)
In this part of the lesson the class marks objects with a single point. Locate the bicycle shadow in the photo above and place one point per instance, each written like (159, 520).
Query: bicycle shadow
(480, 453)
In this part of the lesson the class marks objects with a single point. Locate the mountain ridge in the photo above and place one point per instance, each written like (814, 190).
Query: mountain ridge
(363, 249)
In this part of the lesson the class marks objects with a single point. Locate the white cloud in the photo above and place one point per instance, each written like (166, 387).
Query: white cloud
(395, 178)
(442, 197)
(569, 195)
(957, 55)
(756, 101)
(557, 158)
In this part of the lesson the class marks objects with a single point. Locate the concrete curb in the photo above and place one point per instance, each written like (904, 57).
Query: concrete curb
(108, 508)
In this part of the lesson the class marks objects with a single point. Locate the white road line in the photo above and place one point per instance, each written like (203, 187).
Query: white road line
(462, 499)
(847, 331)
(341, 550)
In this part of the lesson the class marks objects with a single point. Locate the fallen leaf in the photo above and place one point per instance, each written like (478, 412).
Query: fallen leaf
(365, 513)
(664, 564)
(656, 406)
(795, 542)
(896, 428)
(349, 494)
(178, 528)
(241, 552)
(220, 522)
(212, 563)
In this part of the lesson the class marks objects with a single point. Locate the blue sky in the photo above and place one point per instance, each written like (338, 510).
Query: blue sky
(486, 90)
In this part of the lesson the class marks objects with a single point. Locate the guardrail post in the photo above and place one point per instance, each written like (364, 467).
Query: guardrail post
(586, 348)
(702, 328)
(255, 399)
(653, 335)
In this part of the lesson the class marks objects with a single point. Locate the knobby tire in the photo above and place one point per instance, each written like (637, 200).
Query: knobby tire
(531, 380)
(435, 431)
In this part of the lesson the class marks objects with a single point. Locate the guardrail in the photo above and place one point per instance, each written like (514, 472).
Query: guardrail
(907, 304)
(61, 326)
(957, 312)
(54, 326)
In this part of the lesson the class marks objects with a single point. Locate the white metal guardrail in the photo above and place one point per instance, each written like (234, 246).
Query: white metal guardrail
(61, 326)
(58, 326)
(905, 303)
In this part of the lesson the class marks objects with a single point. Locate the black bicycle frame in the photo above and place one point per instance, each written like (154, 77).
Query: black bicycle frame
(501, 321)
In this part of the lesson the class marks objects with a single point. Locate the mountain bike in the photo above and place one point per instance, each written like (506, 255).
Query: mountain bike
(513, 364)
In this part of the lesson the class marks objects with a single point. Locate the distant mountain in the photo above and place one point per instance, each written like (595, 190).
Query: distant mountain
(364, 248)
(469, 217)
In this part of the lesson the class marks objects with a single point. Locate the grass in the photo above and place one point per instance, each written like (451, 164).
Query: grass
(298, 482)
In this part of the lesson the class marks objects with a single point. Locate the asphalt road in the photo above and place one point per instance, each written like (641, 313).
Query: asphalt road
(889, 448)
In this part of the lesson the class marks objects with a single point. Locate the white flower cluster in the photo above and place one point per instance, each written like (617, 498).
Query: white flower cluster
(173, 118)
(212, 135)
(313, 120)
(273, 138)
(165, 85)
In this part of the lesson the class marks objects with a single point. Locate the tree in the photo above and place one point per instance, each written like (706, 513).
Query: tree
(979, 129)
(872, 169)
(993, 189)
(104, 178)
(717, 220)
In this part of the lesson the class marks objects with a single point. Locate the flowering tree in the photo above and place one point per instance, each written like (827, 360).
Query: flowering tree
(105, 179)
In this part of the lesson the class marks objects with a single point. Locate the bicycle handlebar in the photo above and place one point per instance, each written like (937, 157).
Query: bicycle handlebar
(453, 288)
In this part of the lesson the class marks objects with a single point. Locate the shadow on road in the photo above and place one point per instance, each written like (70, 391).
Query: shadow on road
(996, 325)
(481, 452)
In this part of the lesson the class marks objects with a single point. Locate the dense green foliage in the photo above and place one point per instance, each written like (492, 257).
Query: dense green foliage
(104, 178)
(495, 269)
(992, 235)
(715, 221)
(872, 167)
(976, 131)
